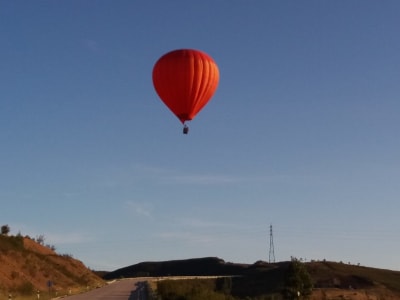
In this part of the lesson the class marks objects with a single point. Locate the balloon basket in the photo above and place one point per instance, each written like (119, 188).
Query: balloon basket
(185, 129)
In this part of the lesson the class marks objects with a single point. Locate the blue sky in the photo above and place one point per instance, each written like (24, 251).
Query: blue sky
(302, 133)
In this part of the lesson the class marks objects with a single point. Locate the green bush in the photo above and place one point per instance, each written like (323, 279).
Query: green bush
(190, 289)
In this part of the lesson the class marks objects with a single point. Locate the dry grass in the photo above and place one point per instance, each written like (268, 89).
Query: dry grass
(27, 267)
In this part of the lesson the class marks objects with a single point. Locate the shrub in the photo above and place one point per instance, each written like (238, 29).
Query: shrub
(14, 275)
(5, 230)
(25, 288)
(224, 285)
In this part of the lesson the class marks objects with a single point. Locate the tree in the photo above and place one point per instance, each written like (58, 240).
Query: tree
(5, 230)
(297, 281)
(40, 239)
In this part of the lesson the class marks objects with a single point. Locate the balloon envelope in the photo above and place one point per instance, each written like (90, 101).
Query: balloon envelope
(185, 80)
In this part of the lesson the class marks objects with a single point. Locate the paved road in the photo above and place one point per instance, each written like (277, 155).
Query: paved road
(127, 289)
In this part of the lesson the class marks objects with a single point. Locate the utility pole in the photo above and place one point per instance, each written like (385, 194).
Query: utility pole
(271, 246)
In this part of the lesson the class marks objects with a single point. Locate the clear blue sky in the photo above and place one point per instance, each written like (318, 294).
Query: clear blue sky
(302, 133)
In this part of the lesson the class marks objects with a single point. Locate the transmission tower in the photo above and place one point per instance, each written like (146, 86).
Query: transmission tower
(271, 246)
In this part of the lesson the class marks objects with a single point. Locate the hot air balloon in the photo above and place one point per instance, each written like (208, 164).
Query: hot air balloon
(185, 80)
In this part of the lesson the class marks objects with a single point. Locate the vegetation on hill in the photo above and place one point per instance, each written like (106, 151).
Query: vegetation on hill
(29, 267)
(210, 289)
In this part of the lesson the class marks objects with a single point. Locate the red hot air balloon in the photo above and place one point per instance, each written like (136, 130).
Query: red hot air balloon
(185, 80)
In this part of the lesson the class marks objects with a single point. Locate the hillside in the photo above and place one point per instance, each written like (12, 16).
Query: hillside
(187, 267)
(331, 280)
(27, 266)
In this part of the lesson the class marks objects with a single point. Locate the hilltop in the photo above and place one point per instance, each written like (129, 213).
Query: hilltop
(28, 266)
(187, 267)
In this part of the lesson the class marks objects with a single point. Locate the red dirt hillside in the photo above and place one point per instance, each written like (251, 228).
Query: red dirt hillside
(27, 266)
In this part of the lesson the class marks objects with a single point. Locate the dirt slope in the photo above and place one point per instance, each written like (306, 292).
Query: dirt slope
(341, 294)
(27, 266)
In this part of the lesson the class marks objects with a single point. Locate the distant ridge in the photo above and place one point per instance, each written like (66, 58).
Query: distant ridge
(206, 266)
